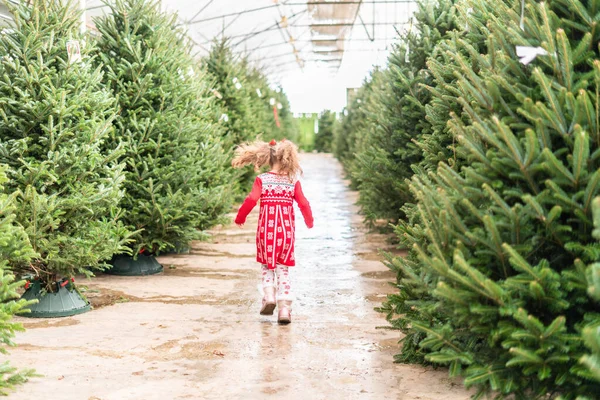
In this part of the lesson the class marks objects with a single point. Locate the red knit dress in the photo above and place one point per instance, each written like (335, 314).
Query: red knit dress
(275, 234)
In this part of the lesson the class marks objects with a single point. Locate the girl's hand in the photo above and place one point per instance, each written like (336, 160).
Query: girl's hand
(240, 225)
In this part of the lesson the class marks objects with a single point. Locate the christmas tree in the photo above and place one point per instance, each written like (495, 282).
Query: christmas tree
(349, 135)
(289, 125)
(14, 248)
(324, 138)
(495, 286)
(271, 107)
(591, 333)
(438, 143)
(55, 117)
(176, 174)
(391, 146)
(236, 103)
(257, 89)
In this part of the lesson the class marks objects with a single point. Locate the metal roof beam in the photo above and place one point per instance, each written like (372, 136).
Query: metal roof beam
(251, 10)
(289, 62)
(329, 3)
(366, 30)
(269, 28)
(275, 26)
(346, 24)
(315, 40)
(349, 2)
(202, 9)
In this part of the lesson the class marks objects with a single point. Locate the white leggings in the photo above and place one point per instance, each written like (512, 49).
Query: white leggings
(284, 291)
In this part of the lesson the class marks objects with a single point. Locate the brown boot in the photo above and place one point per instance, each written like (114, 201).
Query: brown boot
(268, 301)
(285, 312)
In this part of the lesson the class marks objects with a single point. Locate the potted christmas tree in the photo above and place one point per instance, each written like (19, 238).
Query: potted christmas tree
(14, 248)
(55, 117)
(176, 173)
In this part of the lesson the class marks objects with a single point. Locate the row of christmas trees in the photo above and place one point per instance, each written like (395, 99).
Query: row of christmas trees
(121, 142)
(118, 142)
(480, 142)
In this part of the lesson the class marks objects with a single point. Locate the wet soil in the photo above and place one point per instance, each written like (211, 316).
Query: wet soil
(194, 331)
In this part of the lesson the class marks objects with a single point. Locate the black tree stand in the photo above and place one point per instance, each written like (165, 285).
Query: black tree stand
(144, 264)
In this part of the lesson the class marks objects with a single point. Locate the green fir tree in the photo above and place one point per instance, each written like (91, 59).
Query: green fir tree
(438, 143)
(324, 138)
(176, 172)
(289, 125)
(495, 286)
(55, 118)
(236, 103)
(261, 94)
(392, 141)
(350, 134)
(591, 333)
(14, 248)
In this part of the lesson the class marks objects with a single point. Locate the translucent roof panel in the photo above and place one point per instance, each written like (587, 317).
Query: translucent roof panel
(322, 46)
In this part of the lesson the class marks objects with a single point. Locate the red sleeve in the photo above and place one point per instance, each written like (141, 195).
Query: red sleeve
(250, 202)
(303, 204)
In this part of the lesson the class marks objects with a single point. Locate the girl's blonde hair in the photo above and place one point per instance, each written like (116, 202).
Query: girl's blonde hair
(260, 154)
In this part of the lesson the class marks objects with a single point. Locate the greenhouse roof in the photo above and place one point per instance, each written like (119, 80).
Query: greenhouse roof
(286, 35)
(318, 46)
(297, 42)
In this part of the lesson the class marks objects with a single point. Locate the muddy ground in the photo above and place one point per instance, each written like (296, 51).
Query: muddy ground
(194, 332)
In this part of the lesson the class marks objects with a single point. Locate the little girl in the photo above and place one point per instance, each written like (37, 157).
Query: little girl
(277, 190)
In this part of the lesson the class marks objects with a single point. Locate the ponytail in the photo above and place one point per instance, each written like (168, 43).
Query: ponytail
(257, 153)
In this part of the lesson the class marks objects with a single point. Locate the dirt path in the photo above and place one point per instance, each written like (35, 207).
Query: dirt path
(194, 332)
